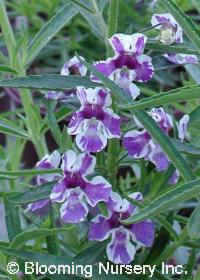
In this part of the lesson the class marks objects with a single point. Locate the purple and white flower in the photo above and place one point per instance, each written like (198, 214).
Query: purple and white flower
(140, 144)
(95, 122)
(171, 32)
(74, 191)
(47, 162)
(128, 64)
(73, 67)
(125, 239)
(181, 59)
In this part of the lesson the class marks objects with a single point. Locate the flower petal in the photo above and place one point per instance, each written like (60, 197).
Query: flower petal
(182, 127)
(74, 210)
(122, 43)
(99, 229)
(48, 162)
(174, 179)
(111, 123)
(69, 163)
(91, 140)
(164, 120)
(38, 205)
(137, 143)
(86, 164)
(120, 250)
(98, 189)
(168, 19)
(158, 157)
(143, 68)
(181, 59)
(76, 124)
(124, 80)
(144, 232)
(105, 67)
(58, 192)
(117, 204)
(74, 66)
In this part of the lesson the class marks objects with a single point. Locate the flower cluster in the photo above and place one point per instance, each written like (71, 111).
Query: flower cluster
(95, 122)
(171, 32)
(128, 64)
(140, 144)
(78, 189)
(121, 248)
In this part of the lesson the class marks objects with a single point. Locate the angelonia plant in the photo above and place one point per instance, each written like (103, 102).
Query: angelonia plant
(124, 165)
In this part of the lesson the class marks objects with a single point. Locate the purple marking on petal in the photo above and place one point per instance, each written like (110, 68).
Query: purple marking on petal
(174, 179)
(140, 43)
(159, 158)
(91, 140)
(74, 67)
(58, 192)
(74, 210)
(117, 45)
(75, 125)
(105, 67)
(87, 163)
(38, 205)
(39, 208)
(98, 189)
(120, 250)
(99, 229)
(182, 59)
(111, 124)
(136, 142)
(144, 232)
(143, 68)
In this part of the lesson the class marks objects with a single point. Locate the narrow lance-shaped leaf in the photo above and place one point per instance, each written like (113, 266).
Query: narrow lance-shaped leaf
(48, 82)
(194, 224)
(48, 31)
(185, 48)
(148, 123)
(169, 97)
(31, 195)
(22, 238)
(167, 201)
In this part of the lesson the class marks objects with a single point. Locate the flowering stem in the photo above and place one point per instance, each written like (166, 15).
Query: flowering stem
(113, 145)
(33, 125)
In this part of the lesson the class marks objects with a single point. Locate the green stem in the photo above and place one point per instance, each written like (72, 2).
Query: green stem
(113, 144)
(112, 22)
(33, 126)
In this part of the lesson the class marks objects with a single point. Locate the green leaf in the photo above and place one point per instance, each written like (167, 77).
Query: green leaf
(194, 224)
(10, 128)
(6, 69)
(49, 30)
(186, 148)
(169, 97)
(185, 22)
(22, 238)
(48, 82)
(46, 259)
(54, 127)
(13, 224)
(29, 172)
(149, 124)
(166, 201)
(184, 48)
(59, 115)
(33, 194)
